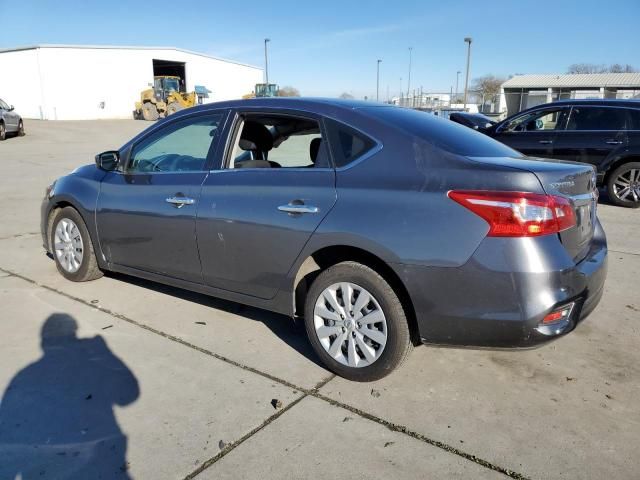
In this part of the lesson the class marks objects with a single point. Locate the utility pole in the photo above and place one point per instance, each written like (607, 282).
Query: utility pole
(457, 78)
(378, 81)
(266, 61)
(468, 41)
(409, 79)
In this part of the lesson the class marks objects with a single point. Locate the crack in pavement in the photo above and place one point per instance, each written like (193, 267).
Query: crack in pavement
(305, 392)
(624, 253)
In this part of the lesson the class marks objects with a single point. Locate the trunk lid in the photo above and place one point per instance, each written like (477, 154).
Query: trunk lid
(575, 181)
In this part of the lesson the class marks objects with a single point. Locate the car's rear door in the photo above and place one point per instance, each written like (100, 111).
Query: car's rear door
(533, 133)
(592, 133)
(254, 222)
(146, 212)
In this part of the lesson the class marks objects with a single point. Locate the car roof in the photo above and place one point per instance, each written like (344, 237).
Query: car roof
(298, 103)
(612, 102)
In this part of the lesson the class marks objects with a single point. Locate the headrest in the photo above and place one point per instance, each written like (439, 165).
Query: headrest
(258, 134)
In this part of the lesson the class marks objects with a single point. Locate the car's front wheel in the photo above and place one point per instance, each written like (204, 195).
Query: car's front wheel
(356, 322)
(623, 185)
(72, 247)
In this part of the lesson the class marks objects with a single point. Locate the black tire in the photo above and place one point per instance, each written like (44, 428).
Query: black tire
(398, 343)
(3, 132)
(621, 175)
(89, 269)
(173, 107)
(21, 129)
(150, 112)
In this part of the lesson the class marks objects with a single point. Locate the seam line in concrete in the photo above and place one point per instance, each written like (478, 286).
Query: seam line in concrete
(233, 445)
(18, 235)
(625, 253)
(306, 392)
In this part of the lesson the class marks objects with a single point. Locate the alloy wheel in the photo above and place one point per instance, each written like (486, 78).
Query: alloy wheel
(350, 324)
(68, 245)
(627, 185)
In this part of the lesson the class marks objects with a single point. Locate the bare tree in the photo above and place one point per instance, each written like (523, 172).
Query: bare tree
(593, 68)
(288, 91)
(487, 87)
(346, 96)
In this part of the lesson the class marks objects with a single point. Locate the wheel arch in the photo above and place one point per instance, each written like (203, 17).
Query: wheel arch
(325, 257)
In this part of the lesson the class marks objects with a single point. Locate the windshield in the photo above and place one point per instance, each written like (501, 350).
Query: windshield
(171, 84)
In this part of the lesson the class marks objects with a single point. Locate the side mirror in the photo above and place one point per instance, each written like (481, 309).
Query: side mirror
(11, 108)
(108, 160)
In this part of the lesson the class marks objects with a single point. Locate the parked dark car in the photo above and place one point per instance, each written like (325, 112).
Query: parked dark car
(477, 121)
(10, 121)
(603, 133)
(381, 227)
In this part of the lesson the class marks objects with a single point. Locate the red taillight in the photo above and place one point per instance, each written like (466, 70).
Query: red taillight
(518, 214)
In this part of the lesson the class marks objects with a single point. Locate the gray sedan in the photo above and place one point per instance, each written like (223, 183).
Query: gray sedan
(379, 227)
(10, 121)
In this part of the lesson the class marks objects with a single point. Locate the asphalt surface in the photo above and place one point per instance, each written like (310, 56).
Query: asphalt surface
(124, 378)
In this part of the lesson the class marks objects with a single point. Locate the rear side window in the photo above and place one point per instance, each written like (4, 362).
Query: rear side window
(442, 133)
(634, 115)
(347, 144)
(597, 118)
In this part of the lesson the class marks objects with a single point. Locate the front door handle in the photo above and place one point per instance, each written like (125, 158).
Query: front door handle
(180, 202)
(614, 142)
(293, 208)
(545, 142)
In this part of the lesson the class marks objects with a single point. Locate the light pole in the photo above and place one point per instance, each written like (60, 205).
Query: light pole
(457, 78)
(409, 78)
(266, 61)
(466, 81)
(378, 81)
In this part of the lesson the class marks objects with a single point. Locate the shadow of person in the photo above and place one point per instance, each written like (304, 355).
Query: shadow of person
(56, 415)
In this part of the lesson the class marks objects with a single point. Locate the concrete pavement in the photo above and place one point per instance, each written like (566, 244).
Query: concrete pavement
(207, 373)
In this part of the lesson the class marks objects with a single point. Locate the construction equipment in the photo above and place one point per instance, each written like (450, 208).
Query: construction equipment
(263, 90)
(163, 99)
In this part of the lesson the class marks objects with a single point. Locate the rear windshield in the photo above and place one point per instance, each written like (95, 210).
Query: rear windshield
(444, 134)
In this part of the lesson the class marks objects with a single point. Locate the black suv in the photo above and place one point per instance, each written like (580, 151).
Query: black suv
(604, 133)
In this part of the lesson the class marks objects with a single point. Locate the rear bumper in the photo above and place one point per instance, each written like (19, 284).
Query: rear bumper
(500, 296)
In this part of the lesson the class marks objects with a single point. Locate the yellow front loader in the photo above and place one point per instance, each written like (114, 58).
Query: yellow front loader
(163, 99)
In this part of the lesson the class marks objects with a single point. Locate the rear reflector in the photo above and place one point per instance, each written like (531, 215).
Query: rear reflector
(518, 214)
(559, 314)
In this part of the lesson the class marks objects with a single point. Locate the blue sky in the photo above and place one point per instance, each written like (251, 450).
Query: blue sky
(330, 47)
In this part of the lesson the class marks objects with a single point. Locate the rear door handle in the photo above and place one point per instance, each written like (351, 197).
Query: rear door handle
(545, 142)
(180, 202)
(293, 208)
(614, 142)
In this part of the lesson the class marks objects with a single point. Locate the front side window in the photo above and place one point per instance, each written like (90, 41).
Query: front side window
(597, 118)
(278, 141)
(182, 146)
(536, 121)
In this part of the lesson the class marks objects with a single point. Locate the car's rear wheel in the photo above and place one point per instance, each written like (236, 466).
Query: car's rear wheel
(72, 247)
(3, 132)
(356, 323)
(623, 185)
(21, 129)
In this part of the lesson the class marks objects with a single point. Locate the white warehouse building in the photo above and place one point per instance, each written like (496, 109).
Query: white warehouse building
(78, 82)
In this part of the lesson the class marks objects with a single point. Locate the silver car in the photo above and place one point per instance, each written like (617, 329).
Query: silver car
(10, 121)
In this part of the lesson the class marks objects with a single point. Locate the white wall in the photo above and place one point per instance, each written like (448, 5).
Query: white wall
(20, 82)
(76, 81)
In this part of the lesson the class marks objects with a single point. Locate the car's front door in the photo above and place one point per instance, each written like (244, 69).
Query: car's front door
(146, 212)
(592, 134)
(258, 210)
(10, 118)
(533, 133)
